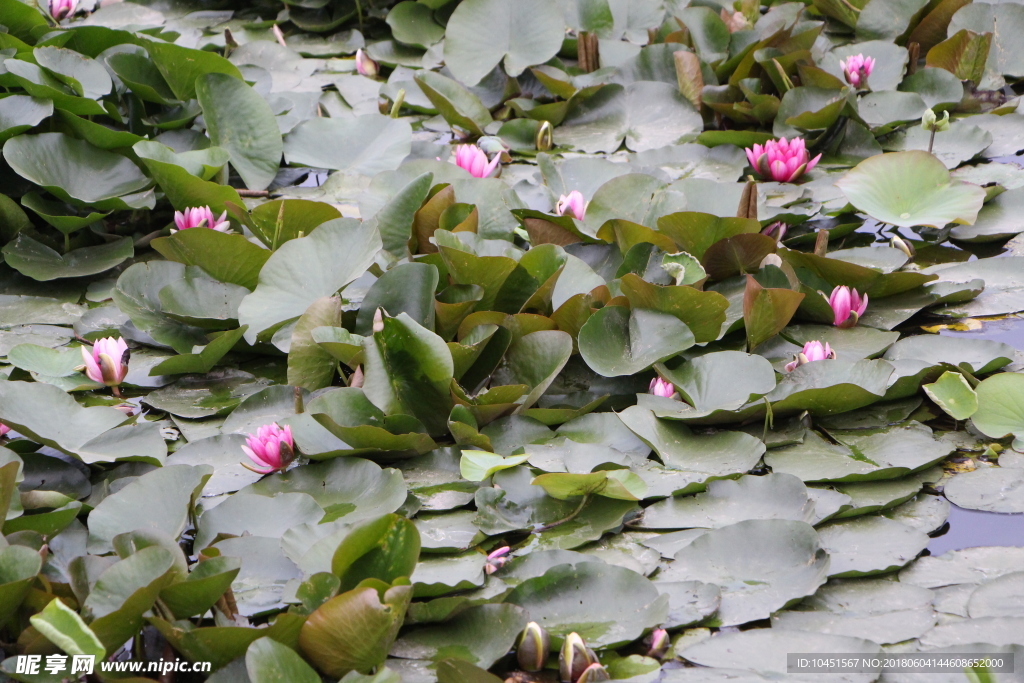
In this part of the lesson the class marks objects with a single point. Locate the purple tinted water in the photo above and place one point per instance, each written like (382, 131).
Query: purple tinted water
(970, 528)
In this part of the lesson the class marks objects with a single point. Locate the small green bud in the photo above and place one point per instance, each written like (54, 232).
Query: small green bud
(574, 658)
(930, 122)
(545, 137)
(898, 243)
(594, 672)
(532, 650)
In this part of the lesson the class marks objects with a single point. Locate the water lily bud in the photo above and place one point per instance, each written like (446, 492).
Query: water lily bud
(594, 672)
(472, 159)
(776, 230)
(378, 320)
(848, 306)
(857, 68)
(545, 139)
(781, 160)
(657, 643)
(107, 361)
(771, 260)
(574, 658)
(4, 429)
(898, 243)
(532, 650)
(366, 66)
(572, 204)
(271, 449)
(61, 9)
(735, 21)
(497, 559)
(812, 351)
(930, 122)
(660, 387)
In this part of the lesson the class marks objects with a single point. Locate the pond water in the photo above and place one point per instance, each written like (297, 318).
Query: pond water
(970, 528)
(1007, 330)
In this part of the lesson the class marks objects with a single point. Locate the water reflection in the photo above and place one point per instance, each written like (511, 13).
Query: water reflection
(1008, 330)
(970, 528)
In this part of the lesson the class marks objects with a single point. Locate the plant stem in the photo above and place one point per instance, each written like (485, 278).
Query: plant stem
(571, 516)
(396, 108)
(931, 141)
(67, 242)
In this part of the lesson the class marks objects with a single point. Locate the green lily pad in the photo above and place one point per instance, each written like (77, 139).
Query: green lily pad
(303, 270)
(996, 489)
(911, 188)
(367, 144)
(773, 496)
(883, 611)
(479, 635)
(870, 545)
(616, 341)
(78, 172)
(954, 395)
(607, 605)
(483, 33)
(644, 114)
(761, 565)
(166, 494)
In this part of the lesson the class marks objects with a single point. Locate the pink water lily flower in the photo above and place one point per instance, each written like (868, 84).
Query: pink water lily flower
(365, 65)
(812, 351)
(61, 9)
(848, 305)
(4, 429)
(107, 361)
(857, 68)
(572, 204)
(781, 160)
(200, 217)
(474, 160)
(271, 449)
(497, 559)
(660, 387)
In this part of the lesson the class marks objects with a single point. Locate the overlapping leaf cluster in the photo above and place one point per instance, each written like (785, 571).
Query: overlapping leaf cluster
(464, 369)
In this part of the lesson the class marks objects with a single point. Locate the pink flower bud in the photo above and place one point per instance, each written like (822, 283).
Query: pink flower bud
(781, 160)
(472, 159)
(107, 361)
(200, 217)
(657, 643)
(847, 305)
(857, 69)
(4, 429)
(497, 559)
(776, 229)
(812, 351)
(572, 204)
(61, 9)
(365, 65)
(735, 21)
(271, 449)
(660, 387)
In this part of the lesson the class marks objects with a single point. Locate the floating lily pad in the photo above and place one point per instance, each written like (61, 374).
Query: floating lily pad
(870, 545)
(582, 598)
(760, 565)
(911, 188)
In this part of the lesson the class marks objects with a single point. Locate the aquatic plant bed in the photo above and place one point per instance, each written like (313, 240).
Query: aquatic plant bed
(474, 341)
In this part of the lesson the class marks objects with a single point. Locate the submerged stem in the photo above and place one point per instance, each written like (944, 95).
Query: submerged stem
(571, 516)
